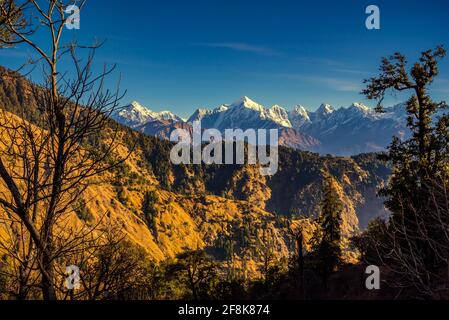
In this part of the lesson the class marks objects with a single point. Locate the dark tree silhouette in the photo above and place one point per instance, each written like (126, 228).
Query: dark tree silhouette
(413, 244)
(326, 242)
(196, 270)
(11, 14)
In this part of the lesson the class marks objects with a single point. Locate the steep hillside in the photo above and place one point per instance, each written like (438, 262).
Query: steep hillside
(165, 223)
(166, 208)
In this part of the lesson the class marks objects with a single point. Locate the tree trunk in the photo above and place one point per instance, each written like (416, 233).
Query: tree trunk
(301, 286)
(48, 289)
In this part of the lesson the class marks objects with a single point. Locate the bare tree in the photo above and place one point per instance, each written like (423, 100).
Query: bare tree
(418, 258)
(110, 268)
(267, 249)
(46, 166)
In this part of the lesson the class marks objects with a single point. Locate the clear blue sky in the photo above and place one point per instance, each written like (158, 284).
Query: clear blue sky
(180, 55)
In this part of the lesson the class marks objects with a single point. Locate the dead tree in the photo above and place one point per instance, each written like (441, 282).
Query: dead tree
(46, 166)
(414, 247)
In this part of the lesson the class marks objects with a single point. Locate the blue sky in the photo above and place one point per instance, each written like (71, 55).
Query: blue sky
(181, 55)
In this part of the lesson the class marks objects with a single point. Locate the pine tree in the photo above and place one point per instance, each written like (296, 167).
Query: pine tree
(416, 243)
(150, 211)
(418, 161)
(424, 156)
(326, 242)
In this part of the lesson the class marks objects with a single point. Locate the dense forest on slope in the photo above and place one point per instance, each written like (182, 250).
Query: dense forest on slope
(240, 218)
(293, 190)
(90, 210)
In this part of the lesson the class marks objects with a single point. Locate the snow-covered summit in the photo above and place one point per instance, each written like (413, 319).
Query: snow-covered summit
(347, 130)
(135, 114)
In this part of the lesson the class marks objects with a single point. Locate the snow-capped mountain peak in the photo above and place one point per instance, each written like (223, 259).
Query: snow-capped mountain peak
(322, 113)
(166, 115)
(360, 107)
(136, 106)
(343, 131)
(245, 113)
(299, 116)
(300, 111)
(246, 102)
(221, 108)
(132, 114)
(198, 115)
(280, 116)
(325, 109)
(135, 114)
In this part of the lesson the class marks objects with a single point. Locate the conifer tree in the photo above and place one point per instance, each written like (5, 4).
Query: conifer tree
(424, 156)
(326, 242)
(416, 243)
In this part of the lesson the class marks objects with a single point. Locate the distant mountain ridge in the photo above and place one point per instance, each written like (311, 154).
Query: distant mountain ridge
(199, 205)
(135, 115)
(344, 131)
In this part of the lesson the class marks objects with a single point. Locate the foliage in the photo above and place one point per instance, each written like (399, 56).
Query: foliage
(11, 15)
(149, 210)
(326, 242)
(82, 211)
(413, 243)
(369, 243)
(196, 271)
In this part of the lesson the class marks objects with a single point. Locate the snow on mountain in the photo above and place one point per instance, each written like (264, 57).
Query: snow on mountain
(206, 114)
(198, 115)
(280, 116)
(168, 116)
(132, 115)
(343, 131)
(247, 103)
(354, 129)
(323, 112)
(243, 114)
(299, 116)
(340, 131)
(360, 108)
(135, 115)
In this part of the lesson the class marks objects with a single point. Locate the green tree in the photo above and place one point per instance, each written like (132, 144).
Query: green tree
(197, 271)
(326, 241)
(370, 242)
(149, 209)
(414, 240)
(423, 156)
